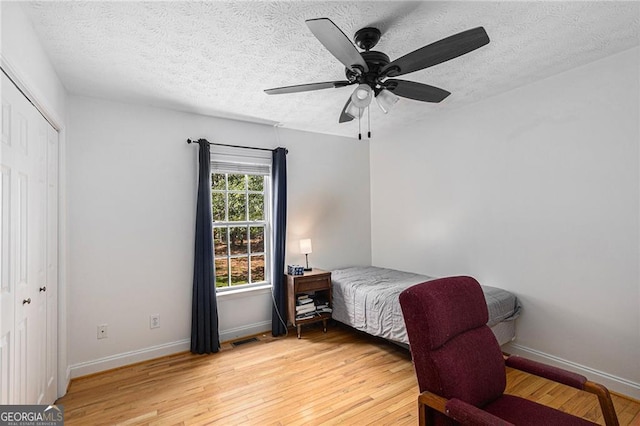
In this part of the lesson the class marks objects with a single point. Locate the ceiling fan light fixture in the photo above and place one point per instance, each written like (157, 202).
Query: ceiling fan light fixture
(386, 99)
(361, 97)
(354, 111)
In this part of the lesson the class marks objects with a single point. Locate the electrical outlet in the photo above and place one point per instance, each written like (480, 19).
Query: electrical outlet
(102, 331)
(154, 321)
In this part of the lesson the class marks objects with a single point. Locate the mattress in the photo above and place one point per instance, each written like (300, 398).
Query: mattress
(366, 298)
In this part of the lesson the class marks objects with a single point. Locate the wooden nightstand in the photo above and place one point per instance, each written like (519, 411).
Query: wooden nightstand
(316, 282)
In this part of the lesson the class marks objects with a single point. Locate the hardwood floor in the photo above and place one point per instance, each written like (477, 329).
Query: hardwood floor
(341, 377)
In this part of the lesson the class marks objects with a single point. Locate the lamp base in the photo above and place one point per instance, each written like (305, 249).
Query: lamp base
(308, 269)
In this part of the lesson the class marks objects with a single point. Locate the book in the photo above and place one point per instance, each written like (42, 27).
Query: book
(305, 308)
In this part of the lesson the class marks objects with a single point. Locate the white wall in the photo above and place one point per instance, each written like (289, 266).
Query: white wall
(329, 199)
(23, 58)
(132, 185)
(23, 53)
(535, 191)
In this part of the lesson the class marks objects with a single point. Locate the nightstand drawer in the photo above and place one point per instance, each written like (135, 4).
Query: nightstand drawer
(312, 283)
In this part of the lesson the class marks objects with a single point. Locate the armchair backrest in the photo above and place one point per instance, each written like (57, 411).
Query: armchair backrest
(455, 354)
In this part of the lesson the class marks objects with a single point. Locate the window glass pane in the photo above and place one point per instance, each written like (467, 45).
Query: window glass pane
(256, 183)
(222, 272)
(217, 181)
(257, 239)
(217, 206)
(239, 270)
(257, 269)
(237, 207)
(237, 182)
(220, 241)
(256, 207)
(239, 243)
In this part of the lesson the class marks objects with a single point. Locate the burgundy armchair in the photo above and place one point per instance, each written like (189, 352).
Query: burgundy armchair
(461, 369)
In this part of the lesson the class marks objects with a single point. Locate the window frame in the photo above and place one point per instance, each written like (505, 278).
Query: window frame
(248, 165)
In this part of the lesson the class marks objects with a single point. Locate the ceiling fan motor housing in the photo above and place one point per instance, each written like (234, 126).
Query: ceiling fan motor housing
(375, 61)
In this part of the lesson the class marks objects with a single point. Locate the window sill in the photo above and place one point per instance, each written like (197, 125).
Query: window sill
(265, 288)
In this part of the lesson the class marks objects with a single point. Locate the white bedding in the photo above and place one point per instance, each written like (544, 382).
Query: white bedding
(366, 298)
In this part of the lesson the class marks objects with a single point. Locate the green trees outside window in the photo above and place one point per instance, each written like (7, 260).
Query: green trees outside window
(239, 223)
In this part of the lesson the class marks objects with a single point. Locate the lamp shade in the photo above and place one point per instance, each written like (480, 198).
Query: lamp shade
(386, 99)
(361, 97)
(305, 246)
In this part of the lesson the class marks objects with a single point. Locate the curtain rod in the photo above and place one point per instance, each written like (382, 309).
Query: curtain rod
(234, 146)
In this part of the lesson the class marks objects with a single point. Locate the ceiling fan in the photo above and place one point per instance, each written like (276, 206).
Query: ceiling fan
(372, 71)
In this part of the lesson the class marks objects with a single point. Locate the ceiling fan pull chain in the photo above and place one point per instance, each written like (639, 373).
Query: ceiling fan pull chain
(369, 120)
(359, 129)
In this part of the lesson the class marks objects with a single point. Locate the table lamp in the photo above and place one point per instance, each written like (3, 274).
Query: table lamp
(305, 247)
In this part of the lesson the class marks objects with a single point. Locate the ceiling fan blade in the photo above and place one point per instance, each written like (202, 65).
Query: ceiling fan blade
(307, 87)
(336, 42)
(416, 91)
(438, 52)
(344, 117)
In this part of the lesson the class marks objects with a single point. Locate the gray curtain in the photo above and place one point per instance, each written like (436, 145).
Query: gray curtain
(204, 313)
(279, 182)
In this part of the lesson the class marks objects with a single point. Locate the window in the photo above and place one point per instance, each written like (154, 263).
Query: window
(241, 228)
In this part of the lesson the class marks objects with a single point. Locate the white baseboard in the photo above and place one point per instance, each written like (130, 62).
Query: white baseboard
(126, 358)
(131, 357)
(613, 383)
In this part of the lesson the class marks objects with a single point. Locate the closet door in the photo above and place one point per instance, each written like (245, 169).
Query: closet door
(17, 256)
(7, 247)
(24, 345)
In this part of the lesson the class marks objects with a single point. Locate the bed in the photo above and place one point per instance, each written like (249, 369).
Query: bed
(366, 298)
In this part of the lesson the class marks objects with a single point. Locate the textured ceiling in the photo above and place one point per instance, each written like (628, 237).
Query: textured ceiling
(216, 58)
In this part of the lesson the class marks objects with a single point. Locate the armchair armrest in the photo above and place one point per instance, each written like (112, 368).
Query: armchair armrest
(570, 379)
(462, 412)
(548, 372)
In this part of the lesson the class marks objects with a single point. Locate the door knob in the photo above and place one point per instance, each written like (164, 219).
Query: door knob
(43, 288)
(26, 301)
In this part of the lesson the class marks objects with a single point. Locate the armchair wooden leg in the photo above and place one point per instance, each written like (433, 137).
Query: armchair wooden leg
(422, 414)
(606, 403)
(428, 405)
(425, 415)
